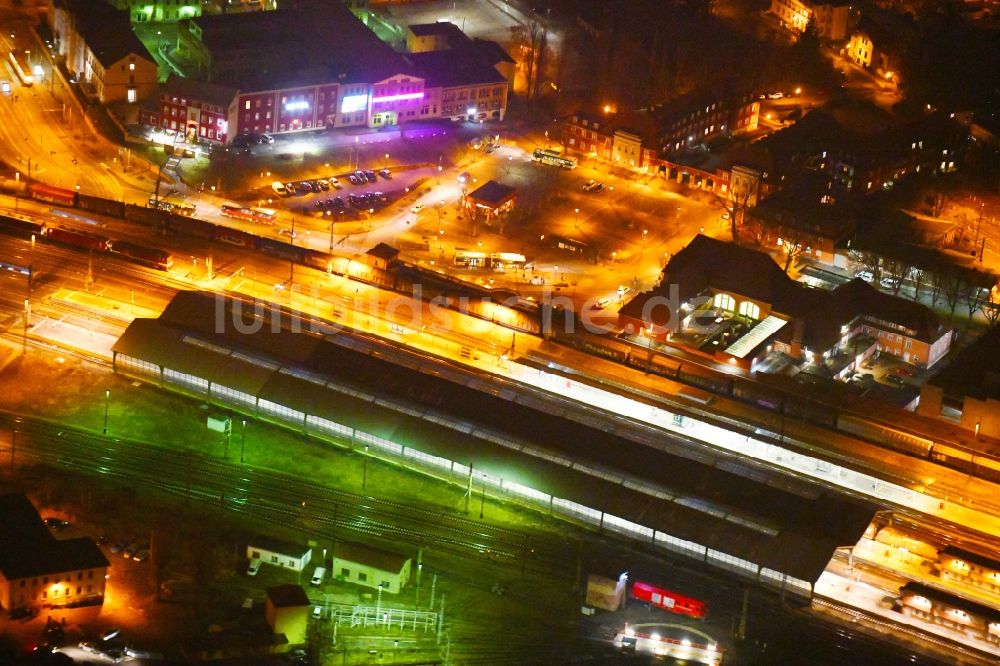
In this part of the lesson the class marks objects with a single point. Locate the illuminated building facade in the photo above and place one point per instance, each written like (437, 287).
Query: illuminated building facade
(142, 11)
(352, 79)
(191, 110)
(36, 569)
(831, 17)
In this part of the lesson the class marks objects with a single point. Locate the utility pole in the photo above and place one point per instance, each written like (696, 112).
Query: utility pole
(243, 439)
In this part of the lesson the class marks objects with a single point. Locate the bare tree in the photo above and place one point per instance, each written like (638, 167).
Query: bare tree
(952, 286)
(870, 260)
(793, 245)
(896, 269)
(736, 205)
(991, 311)
(918, 276)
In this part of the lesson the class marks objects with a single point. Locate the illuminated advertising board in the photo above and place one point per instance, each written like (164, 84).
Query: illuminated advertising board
(352, 103)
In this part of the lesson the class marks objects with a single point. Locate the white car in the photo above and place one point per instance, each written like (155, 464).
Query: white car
(866, 276)
(5, 87)
(254, 567)
(416, 209)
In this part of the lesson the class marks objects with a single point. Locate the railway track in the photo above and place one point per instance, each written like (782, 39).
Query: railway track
(282, 499)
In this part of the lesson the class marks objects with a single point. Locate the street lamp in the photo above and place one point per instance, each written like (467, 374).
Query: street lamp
(243, 438)
(387, 160)
(364, 474)
(107, 398)
(576, 224)
(510, 159)
(482, 505)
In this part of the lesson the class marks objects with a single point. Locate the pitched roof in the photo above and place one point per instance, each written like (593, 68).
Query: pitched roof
(28, 549)
(454, 67)
(445, 29)
(287, 596)
(709, 263)
(202, 91)
(106, 31)
(492, 193)
(370, 557)
(383, 251)
(280, 546)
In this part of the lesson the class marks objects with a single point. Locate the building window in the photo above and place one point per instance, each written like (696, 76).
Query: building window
(132, 96)
(750, 310)
(725, 302)
(362, 577)
(131, 67)
(346, 573)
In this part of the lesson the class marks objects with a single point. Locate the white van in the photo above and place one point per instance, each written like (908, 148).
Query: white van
(280, 189)
(318, 575)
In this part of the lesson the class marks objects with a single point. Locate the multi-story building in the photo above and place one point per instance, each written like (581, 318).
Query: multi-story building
(37, 569)
(143, 11)
(102, 52)
(693, 118)
(861, 148)
(967, 391)
(736, 305)
(831, 16)
(879, 42)
(351, 79)
(195, 110)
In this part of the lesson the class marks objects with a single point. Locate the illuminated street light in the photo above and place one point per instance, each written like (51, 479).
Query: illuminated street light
(107, 398)
(576, 224)
(364, 473)
(482, 505)
(243, 439)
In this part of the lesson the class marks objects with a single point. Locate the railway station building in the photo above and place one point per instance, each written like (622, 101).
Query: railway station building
(359, 392)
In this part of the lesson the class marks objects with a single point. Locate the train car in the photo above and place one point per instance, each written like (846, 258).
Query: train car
(318, 260)
(883, 434)
(191, 226)
(55, 195)
(15, 226)
(281, 250)
(236, 237)
(77, 239)
(146, 256)
(669, 601)
(258, 215)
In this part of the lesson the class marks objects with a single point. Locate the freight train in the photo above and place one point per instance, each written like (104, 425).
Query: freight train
(28, 229)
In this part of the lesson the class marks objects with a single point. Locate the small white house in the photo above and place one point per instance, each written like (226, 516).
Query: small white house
(363, 565)
(279, 553)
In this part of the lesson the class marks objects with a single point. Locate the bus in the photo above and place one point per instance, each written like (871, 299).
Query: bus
(259, 215)
(172, 206)
(554, 158)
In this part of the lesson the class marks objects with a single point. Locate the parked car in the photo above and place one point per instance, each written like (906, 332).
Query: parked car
(109, 633)
(266, 138)
(865, 275)
(895, 379)
(280, 189)
(141, 555)
(370, 175)
(130, 549)
(323, 185)
(334, 183)
(5, 87)
(417, 208)
(287, 232)
(889, 282)
(385, 173)
(254, 568)
(56, 524)
(904, 372)
(117, 547)
(87, 646)
(317, 612)
(593, 186)
(319, 575)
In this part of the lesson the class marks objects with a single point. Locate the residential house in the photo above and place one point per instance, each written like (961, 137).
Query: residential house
(880, 40)
(101, 51)
(37, 569)
(196, 110)
(831, 16)
(370, 567)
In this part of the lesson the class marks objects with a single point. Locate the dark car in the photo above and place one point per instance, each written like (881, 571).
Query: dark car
(56, 524)
(337, 202)
(23, 613)
(895, 379)
(370, 175)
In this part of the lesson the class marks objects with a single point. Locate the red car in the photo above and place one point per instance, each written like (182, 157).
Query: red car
(904, 372)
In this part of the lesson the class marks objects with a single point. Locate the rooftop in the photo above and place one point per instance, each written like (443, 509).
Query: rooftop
(974, 371)
(272, 545)
(106, 31)
(212, 93)
(372, 557)
(287, 596)
(336, 377)
(492, 193)
(28, 549)
(467, 65)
